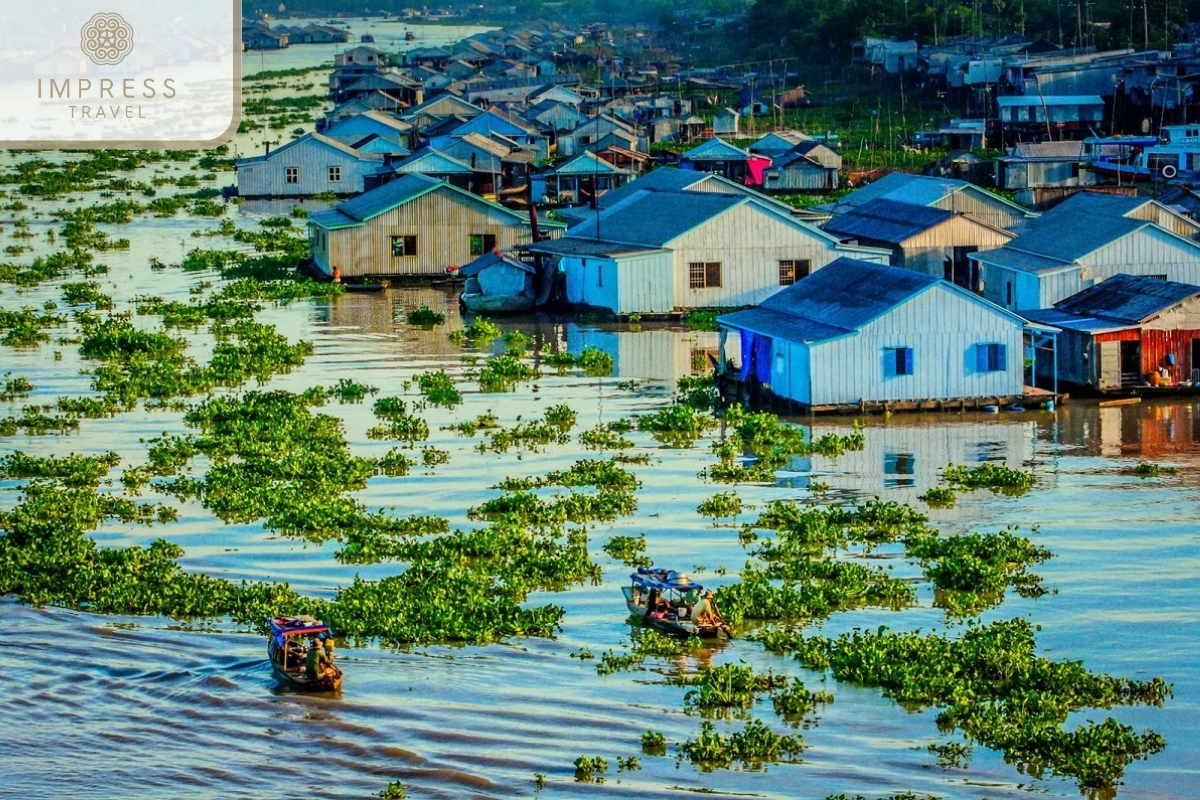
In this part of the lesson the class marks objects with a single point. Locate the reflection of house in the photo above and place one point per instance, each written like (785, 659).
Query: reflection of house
(652, 354)
(312, 164)
(1064, 253)
(1120, 333)
(659, 252)
(414, 225)
(856, 332)
(929, 240)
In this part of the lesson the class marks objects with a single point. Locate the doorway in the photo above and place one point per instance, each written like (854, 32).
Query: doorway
(1131, 363)
(1195, 362)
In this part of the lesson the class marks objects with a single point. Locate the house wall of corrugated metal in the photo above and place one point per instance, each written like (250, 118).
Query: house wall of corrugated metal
(1157, 345)
(269, 178)
(749, 242)
(647, 284)
(983, 207)
(798, 175)
(943, 327)
(1176, 223)
(443, 222)
(1146, 252)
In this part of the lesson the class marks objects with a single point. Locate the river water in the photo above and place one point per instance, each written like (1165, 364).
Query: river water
(153, 708)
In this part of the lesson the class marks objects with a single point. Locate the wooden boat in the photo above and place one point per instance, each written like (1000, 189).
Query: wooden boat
(366, 37)
(663, 599)
(286, 651)
(498, 284)
(365, 287)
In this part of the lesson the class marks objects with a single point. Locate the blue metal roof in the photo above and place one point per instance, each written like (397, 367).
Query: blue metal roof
(663, 179)
(1128, 299)
(886, 221)
(656, 218)
(1068, 238)
(834, 301)
(400, 191)
(715, 150)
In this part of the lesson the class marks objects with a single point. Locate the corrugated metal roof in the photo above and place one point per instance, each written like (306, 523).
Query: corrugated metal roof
(1129, 299)
(1087, 203)
(1049, 149)
(432, 162)
(1051, 100)
(1059, 319)
(588, 163)
(1069, 237)
(311, 137)
(490, 259)
(834, 301)
(886, 221)
(715, 150)
(1022, 262)
(573, 246)
(390, 195)
(655, 218)
(921, 190)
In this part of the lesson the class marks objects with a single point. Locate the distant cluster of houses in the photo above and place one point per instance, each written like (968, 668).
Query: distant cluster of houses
(259, 35)
(912, 289)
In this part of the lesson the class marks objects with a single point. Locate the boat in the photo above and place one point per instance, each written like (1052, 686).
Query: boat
(366, 37)
(286, 651)
(498, 284)
(674, 594)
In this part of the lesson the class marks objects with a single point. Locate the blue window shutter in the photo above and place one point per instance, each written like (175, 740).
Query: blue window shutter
(907, 355)
(981, 358)
(889, 363)
(1001, 357)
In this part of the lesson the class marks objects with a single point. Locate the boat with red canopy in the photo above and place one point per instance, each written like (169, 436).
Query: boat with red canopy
(288, 651)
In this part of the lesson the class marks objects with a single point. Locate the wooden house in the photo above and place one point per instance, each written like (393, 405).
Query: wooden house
(259, 38)
(441, 166)
(596, 134)
(655, 252)
(357, 127)
(727, 122)
(1065, 115)
(809, 166)
(777, 143)
(414, 225)
(312, 164)
(860, 332)
(582, 178)
(496, 165)
(719, 157)
(950, 194)
(1126, 332)
(494, 121)
(1067, 253)
(926, 239)
(1036, 165)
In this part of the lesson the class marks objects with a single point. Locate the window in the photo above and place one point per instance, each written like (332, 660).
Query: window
(991, 357)
(335, 174)
(482, 243)
(1008, 293)
(292, 175)
(704, 275)
(897, 361)
(1156, 277)
(792, 271)
(404, 246)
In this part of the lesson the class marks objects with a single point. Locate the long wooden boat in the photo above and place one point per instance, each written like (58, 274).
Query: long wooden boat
(663, 599)
(285, 651)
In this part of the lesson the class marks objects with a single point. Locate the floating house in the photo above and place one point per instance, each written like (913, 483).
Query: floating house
(810, 165)
(1128, 332)
(497, 283)
(312, 164)
(721, 158)
(662, 252)
(582, 178)
(727, 122)
(1064, 253)
(926, 239)
(856, 332)
(414, 225)
(949, 194)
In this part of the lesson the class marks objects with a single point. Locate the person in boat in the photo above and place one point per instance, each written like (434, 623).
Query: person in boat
(705, 612)
(316, 662)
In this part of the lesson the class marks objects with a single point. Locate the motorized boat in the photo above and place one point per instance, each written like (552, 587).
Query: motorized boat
(664, 599)
(286, 649)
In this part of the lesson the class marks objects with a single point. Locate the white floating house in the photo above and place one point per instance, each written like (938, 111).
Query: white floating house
(660, 252)
(858, 332)
(312, 164)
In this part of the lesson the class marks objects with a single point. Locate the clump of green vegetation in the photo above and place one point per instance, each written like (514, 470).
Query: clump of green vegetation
(991, 685)
(439, 389)
(996, 477)
(951, 755)
(480, 332)
(587, 768)
(72, 470)
(699, 392)
(501, 373)
(629, 550)
(78, 294)
(425, 317)
(722, 504)
(754, 744)
(939, 497)
(768, 444)
(594, 362)
(1145, 469)
(973, 570)
(15, 387)
(348, 390)
(393, 791)
(27, 327)
(603, 437)
(726, 686)
(676, 425)
(654, 743)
